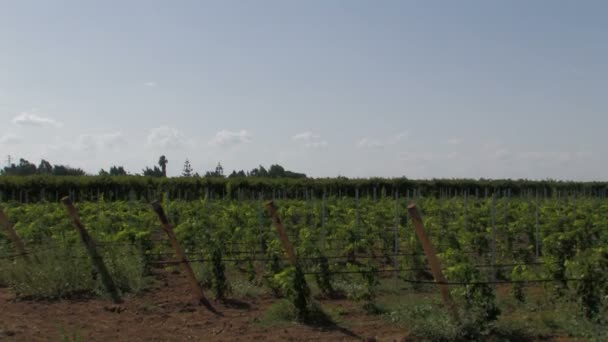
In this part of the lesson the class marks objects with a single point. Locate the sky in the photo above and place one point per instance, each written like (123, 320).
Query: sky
(422, 89)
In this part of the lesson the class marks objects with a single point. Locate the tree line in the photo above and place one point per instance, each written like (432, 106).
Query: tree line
(26, 168)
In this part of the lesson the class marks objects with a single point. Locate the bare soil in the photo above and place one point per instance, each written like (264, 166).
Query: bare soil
(168, 313)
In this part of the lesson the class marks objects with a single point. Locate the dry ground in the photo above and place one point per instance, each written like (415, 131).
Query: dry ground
(167, 313)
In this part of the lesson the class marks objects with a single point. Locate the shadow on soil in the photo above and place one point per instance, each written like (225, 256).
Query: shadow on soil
(235, 304)
(318, 319)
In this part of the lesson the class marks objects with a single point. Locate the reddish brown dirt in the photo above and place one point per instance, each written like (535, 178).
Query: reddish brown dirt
(168, 314)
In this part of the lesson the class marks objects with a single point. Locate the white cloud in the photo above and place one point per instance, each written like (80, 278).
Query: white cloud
(316, 144)
(380, 143)
(562, 157)
(166, 137)
(367, 142)
(310, 140)
(583, 154)
(305, 136)
(419, 157)
(399, 136)
(428, 157)
(31, 119)
(454, 141)
(10, 139)
(497, 152)
(501, 154)
(150, 84)
(90, 142)
(226, 138)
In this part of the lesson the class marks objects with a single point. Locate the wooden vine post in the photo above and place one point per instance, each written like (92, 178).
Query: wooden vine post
(431, 256)
(301, 299)
(12, 234)
(261, 265)
(276, 220)
(197, 291)
(91, 247)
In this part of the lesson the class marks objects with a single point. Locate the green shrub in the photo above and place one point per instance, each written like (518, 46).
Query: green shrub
(220, 283)
(66, 271)
(58, 273)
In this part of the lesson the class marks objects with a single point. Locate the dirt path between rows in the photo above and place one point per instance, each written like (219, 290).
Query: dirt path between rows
(167, 314)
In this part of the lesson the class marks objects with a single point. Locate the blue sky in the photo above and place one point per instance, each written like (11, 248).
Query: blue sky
(494, 89)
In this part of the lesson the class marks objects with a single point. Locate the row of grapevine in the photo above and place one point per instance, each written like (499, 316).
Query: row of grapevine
(27, 189)
(562, 241)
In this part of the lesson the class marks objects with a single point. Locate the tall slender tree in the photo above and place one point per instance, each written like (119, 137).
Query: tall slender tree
(162, 162)
(187, 171)
(219, 170)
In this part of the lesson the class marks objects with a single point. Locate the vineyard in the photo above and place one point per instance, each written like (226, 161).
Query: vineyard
(28, 189)
(516, 267)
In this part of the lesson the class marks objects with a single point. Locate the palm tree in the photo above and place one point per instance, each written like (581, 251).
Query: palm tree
(162, 162)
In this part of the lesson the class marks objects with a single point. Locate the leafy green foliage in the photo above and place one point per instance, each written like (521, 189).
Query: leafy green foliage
(60, 271)
(355, 236)
(293, 283)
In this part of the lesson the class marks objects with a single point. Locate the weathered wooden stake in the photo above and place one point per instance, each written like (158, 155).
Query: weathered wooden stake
(431, 256)
(396, 244)
(537, 226)
(323, 223)
(12, 234)
(91, 247)
(493, 242)
(262, 263)
(276, 220)
(183, 261)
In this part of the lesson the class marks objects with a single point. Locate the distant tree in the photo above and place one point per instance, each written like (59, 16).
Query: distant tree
(27, 167)
(162, 162)
(155, 172)
(24, 168)
(289, 174)
(240, 174)
(258, 172)
(276, 171)
(187, 171)
(117, 171)
(263, 172)
(218, 172)
(45, 168)
(103, 172)
(64, 170)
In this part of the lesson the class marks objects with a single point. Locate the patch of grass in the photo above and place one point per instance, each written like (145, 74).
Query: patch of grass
(372, 308)
(425, 322)
(203, 273)
(66, 272)
(427, 319)
(279, 313)
(283, 311)
(247, 289)
(127, 268)
(56, 274)
(352, 289)
(562, 319)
